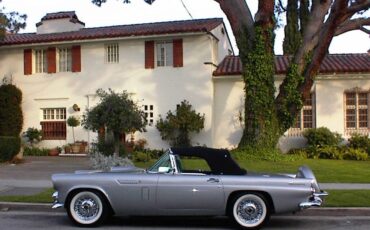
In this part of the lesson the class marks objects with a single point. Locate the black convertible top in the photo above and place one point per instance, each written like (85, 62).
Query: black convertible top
(219, 160)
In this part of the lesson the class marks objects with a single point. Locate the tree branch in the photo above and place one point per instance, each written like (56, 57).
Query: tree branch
(353, 24)
(359, 6)
(239, 16)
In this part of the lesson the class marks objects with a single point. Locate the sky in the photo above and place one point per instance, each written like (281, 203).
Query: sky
(115, 13)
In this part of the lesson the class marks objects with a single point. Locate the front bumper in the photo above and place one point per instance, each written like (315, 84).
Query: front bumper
(314, 201)
(56, 203)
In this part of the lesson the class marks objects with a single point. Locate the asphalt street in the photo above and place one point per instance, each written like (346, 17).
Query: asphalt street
(16, 220)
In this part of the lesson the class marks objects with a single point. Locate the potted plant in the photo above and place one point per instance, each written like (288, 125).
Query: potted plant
(54, 151)
(73, 122)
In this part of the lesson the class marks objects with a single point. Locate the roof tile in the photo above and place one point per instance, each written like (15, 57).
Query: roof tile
(188, 26)
(333, 63)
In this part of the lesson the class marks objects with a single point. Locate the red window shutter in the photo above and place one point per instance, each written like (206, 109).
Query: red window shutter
(76, 58)
(52, 65)
(149, 55)
(27, 56)
(177, 53)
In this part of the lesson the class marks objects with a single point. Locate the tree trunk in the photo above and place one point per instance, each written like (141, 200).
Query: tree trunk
(261, 127)
(117, 143)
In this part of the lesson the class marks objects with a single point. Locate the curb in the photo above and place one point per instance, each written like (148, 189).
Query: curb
(36, 207)
(40, 207)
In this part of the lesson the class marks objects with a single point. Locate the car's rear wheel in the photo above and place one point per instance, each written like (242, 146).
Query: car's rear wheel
(87, 208)
(250, 210)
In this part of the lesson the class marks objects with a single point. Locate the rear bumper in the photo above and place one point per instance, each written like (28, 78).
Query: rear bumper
(56, 203)
(314, 201)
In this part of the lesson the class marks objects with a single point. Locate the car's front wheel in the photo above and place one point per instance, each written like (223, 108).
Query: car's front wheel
(250, 210)
(87, 208)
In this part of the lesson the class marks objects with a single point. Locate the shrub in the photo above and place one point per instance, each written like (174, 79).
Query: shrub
(9, 147)
(268, 154)
(322, 136)
(141, 157)
(102, 162)
(73, 122)
(11, 116)
(140, 144)
(106, 148)
(355, 154)
(34, 151)
(177, 126)
(329, 152)
(359, 141)
(33, 135)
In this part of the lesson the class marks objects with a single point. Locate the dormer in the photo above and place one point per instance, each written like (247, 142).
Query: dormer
(59, 22)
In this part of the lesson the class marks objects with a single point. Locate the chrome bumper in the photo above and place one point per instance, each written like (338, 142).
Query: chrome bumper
(56, 203)
(314, 201)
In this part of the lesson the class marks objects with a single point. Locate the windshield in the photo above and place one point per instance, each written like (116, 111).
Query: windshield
(164, 161)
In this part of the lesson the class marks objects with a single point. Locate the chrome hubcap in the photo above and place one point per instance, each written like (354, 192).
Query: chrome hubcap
(249, 211)
(86, 208)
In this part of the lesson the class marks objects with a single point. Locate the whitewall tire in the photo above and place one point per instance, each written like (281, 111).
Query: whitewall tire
(250, 211)
(87, 208)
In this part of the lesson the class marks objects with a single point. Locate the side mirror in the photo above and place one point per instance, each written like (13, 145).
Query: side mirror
(164, 169)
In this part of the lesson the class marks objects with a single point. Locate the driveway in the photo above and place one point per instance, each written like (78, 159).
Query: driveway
(34, 174)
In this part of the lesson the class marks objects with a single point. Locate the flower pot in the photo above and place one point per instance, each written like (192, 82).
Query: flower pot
(75, 148)
(53, 152)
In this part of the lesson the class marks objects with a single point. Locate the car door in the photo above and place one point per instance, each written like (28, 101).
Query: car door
(189, 192)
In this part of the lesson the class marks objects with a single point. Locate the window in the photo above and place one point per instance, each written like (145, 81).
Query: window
(53, 124)
(112, 53)
(305, 118)
(149, 114)
(41, 61)
(357, 111)
(65, 59)
(192, 165)
(164, 53)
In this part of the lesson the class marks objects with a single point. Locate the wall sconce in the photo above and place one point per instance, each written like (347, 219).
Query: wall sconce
(76, 108)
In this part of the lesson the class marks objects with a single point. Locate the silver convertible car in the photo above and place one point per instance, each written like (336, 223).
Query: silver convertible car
(194, 181)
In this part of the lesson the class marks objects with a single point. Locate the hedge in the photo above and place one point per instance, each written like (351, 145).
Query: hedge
(11, 116)
(9, 147)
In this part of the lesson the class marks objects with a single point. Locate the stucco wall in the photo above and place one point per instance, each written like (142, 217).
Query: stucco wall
(57, 26)
(163, 87)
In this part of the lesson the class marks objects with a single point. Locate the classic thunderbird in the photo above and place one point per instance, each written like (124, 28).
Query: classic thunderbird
(185, 182)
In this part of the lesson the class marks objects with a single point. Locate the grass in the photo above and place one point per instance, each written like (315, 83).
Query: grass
(326, 171)
(336, 198)
(348, 198)
(42, 197)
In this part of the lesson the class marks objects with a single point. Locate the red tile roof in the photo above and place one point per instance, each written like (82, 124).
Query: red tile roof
(158, 28)
(333, 63)
(60, 15)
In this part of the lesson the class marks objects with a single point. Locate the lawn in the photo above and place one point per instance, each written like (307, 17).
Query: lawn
(326, 171)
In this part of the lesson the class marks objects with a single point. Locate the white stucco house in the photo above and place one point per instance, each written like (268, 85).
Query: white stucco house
(60, 67)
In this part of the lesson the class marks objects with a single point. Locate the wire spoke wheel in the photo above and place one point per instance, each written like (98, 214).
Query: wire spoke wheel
(87, 208)
(250, 211)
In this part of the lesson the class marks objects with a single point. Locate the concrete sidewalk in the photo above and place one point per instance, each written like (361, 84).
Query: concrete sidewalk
(33, 176)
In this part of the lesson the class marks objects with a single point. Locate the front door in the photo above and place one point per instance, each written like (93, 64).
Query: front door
(190, 192)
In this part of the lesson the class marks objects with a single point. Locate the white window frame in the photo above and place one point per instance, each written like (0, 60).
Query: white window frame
(365, 130)
(164, 53)
(53, 114)
(112, 53)
(299, 125)
(64, 59)
(41, 63)
(149, 113)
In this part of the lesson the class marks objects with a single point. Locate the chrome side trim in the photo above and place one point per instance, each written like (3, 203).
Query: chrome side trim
(57, 205)
(314, 201)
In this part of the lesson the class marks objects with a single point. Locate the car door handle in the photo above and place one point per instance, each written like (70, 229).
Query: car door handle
(213, 180)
